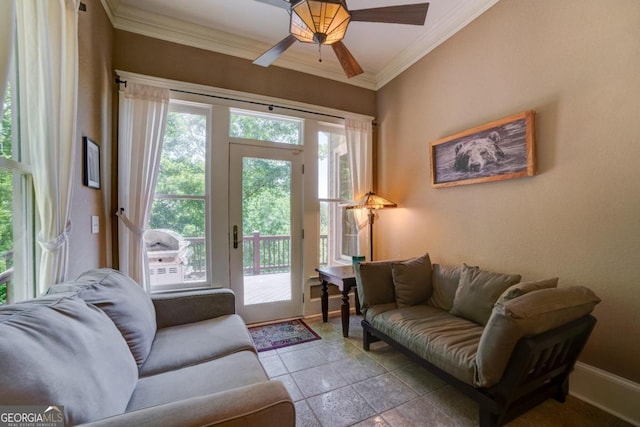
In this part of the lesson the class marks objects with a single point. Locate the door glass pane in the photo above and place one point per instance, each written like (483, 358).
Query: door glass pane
(266, 229)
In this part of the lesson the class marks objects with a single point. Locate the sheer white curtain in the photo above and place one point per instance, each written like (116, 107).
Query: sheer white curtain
(7, 29)
(47, 33)
(143, 118)
(359, 150)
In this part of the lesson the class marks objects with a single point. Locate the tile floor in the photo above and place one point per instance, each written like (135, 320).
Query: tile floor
(335, 383)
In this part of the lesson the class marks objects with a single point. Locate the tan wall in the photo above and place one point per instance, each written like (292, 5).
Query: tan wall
(95, 40)
(154, 57)
(577, 64)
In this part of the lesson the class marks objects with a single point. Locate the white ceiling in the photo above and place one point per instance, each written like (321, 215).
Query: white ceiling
(247, 28)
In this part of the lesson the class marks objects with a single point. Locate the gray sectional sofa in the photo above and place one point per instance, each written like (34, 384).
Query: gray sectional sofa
(113, 356)
(505, 343)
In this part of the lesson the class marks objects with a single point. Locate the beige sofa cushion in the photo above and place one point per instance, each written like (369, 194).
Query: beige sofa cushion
(447, 341)
(412, 281)
(530, 314)
(192, 343)
(225, 373)
(522, 288)
(444, 280)
(379, 279)
(477, 291)
(59, 350)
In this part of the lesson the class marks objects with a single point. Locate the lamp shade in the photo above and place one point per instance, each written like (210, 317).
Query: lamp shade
(371, 201)
(320, 22)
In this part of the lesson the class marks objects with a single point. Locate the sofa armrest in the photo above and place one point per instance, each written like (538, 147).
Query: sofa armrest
(528, 315)
(262, 404)
(179, 308)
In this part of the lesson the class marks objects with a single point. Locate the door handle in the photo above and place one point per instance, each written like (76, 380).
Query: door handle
(235, 237)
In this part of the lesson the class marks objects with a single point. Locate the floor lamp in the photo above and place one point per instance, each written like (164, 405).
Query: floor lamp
(371, 202)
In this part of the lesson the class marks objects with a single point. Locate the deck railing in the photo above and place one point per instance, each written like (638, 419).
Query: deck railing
(262, 254)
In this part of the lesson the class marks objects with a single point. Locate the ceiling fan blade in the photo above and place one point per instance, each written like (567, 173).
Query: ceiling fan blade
(274, 53)
(348, 62)
(412, 14)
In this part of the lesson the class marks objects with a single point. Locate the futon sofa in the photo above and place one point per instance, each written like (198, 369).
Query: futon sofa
(111, 355)
(505, 343)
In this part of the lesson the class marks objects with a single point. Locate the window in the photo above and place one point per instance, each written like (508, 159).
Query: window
(338, 228)
(176, 238)
(265, 127)
(16, 205)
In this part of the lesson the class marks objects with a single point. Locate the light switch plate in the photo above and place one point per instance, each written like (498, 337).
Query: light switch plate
(95, 224)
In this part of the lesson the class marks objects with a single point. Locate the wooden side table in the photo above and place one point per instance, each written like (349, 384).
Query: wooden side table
(345, 279)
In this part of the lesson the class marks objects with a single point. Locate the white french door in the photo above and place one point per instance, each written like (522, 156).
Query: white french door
(265, 219)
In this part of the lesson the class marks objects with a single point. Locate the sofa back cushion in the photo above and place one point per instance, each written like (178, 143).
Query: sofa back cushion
(124, 301)
(444, 280)
(374, 281)
(412, 281)
(523, 288)
(477, 291)
(59, 350)
(530, 314)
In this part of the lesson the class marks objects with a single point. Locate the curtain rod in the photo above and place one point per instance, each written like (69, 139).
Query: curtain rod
(227, 98)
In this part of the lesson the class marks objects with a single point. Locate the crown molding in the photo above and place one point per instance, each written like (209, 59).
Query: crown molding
(110, 6)
(127, 18)
(441, 31)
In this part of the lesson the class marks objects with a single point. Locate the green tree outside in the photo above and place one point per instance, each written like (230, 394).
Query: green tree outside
(182, 173)
(266, 183)
(6, 192)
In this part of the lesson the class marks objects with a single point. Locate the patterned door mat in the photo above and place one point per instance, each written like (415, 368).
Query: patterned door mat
(282, 334)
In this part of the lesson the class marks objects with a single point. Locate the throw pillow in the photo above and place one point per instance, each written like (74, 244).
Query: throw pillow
(444, 280)
(523, 288)
(374, 281)
(412, 281)
(124, 301)
(477, 291)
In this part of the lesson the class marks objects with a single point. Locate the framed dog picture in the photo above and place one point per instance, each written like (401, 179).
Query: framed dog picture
(496, 151)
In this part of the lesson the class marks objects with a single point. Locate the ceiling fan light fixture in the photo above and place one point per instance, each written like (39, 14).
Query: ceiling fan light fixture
(319, 22)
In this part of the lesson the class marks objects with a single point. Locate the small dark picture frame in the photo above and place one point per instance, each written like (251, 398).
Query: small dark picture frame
(91, 155)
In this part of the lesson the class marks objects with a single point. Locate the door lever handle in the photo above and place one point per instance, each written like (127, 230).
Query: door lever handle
(235, 237)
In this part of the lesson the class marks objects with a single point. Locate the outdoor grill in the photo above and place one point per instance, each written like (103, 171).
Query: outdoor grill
(168, 255)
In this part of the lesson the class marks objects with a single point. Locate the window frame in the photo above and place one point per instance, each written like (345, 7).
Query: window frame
(222, 101)
(202, 109)
(25, 251)
(336, 205)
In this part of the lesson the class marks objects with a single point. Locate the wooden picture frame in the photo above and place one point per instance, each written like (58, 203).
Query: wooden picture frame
(500, 150)
(91, 163)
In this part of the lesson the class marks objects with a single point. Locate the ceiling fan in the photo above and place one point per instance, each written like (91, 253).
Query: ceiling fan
(325, 22)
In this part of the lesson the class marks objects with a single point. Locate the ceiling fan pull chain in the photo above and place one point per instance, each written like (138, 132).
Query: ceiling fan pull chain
(319, 52)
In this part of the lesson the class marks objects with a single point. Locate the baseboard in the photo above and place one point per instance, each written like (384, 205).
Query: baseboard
(611, 393)
(314, 307)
